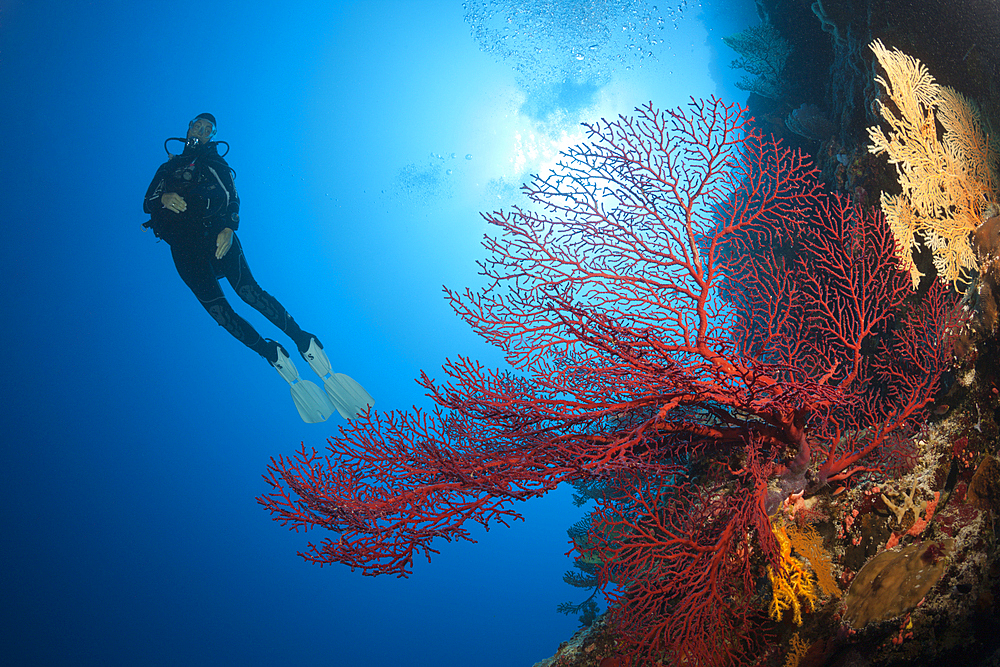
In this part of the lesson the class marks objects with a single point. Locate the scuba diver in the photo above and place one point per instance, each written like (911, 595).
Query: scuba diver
(193, 206)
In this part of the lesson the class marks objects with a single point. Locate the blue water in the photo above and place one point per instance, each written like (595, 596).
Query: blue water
(366, 137)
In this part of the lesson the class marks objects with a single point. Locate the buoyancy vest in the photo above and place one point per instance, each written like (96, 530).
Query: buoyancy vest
(204, 179)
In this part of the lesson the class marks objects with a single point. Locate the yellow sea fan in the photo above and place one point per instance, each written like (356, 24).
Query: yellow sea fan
(952, 256)
(967, 137)
(947, 182)
(910, 84)
(899, 216)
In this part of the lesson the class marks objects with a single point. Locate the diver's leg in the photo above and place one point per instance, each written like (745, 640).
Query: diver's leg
(234, 266)
(195, 268)
(348, 397)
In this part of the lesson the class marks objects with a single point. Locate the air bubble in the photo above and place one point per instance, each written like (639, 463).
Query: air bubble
(590, 40)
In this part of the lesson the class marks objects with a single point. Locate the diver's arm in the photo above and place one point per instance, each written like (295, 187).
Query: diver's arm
(223, 242)
(174, 202)
(155, 191)
(234, 209)
(232, 213)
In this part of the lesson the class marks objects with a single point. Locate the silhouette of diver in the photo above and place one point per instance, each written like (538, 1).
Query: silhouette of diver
(194, 207)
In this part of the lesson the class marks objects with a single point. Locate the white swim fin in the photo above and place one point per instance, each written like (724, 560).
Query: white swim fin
(348, 397)
(313, 405)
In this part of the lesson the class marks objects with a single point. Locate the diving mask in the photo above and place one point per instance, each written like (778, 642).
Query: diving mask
(202, 129)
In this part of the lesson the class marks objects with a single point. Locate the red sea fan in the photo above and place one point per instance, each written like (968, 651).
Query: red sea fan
(683, 307)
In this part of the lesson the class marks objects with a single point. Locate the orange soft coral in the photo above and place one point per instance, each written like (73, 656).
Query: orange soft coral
(791, 584)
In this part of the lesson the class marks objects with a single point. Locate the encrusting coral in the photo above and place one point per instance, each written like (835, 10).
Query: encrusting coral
(949, 182)
(893, 582)
(986, 242)
(905, 505)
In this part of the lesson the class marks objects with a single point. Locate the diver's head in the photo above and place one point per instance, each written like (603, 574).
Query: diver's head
(202, 129)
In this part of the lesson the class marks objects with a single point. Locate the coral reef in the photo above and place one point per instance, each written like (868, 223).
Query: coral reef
(820, 398)
(945, 468)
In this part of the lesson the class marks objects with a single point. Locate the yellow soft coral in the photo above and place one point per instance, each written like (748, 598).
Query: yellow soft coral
(808, 544)
(791, 582)
(797, 648)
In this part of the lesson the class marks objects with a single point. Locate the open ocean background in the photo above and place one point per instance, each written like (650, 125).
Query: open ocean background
(366, 137)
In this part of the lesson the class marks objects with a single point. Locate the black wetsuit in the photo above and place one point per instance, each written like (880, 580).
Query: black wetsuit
(203, 178)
